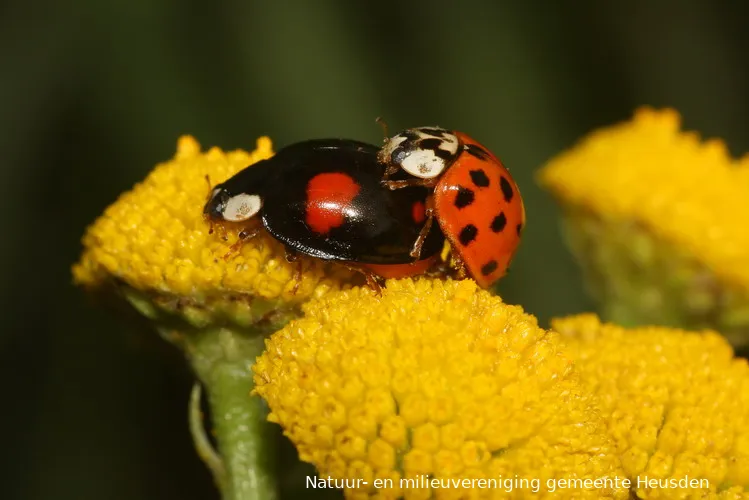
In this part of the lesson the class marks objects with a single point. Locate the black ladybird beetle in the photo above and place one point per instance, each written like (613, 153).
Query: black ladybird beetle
(323, 198)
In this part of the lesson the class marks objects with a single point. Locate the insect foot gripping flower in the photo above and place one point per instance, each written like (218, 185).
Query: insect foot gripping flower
(657, 220)
(676, 402)
(153, 248)
(436, 389)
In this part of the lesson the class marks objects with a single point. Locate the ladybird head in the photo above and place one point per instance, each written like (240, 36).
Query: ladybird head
(423, 152)
(240, 197)
(226, 206)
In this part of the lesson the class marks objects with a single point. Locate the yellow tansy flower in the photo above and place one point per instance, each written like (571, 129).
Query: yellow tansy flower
(154, 240)
(676, 403)
(435, 380)
(153, 247)
(657, 218)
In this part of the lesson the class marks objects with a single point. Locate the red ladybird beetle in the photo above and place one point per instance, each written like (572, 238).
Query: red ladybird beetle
(323, 198)
(474, 199)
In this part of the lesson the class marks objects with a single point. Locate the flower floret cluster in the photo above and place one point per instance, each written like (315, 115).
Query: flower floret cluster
(433, 378)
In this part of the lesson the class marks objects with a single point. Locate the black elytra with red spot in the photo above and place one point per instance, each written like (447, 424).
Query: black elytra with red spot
(323, 198)
(328, 203)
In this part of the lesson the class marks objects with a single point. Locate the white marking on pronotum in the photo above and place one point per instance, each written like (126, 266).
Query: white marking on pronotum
(241, 207)
(425, 163)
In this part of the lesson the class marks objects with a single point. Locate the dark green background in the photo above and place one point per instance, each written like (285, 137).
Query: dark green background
(94, 92)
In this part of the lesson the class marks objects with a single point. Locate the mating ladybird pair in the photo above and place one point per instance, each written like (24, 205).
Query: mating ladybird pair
(373, 209)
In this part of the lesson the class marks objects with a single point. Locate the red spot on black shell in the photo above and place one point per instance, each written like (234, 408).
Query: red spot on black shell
(327, 196)
(418, 212)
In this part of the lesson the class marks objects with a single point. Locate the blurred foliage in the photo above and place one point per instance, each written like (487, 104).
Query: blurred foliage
(93, 94)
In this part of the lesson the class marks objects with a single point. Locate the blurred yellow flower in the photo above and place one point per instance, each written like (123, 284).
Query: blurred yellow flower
(155, 240)
(688, 191)
(657, 218)
(433, 380)
(676, 403)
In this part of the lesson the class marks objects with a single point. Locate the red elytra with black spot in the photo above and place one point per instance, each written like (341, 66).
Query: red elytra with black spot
(486, 232)
(475, 200)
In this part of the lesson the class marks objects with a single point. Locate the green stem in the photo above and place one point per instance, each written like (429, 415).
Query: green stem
(222, 360)
(639, 278)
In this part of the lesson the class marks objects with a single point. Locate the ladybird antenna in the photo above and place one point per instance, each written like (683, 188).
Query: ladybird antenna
(381, 122)
(205, 216)
(210, 187)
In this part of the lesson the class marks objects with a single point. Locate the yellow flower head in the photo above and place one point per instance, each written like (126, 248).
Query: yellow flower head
(687, 191)
(436, 380)
(154, 240)
(676, 403)
(657, 219)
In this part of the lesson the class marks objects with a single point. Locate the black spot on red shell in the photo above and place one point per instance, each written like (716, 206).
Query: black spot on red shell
(489, 267)
(477, 151)
(506, 188)
(468, 234)
(499, 222)
(519, 229)
(479, 178)
(464, 197)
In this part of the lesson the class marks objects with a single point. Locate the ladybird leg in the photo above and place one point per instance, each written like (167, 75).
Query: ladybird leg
(224, 234)
(439, 269)
(297, 276)
(419, 243)
(390, 169)
(244, 235)
(210, 222)
(460, 268)
(291, 255)
(372, 282)
(393, 185)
